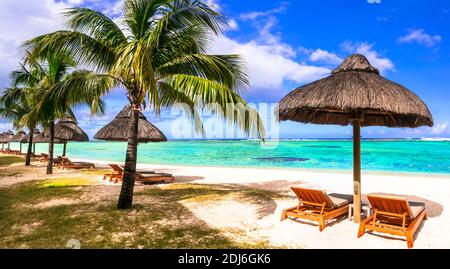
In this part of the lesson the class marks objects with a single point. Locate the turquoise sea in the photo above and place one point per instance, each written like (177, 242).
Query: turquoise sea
(395, 155)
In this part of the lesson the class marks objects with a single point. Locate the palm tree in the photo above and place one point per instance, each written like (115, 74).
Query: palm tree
(158, 54)
(17, 102)
(56, 68)
(31, 100)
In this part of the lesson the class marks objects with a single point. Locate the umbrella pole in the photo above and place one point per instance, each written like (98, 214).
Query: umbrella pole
(357, 170)
(64, 148)
(20, 143)
(34, 148)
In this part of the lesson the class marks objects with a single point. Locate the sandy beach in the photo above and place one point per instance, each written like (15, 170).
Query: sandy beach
(264, 223)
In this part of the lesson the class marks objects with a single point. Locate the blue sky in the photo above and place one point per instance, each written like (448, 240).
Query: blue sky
(287, 44)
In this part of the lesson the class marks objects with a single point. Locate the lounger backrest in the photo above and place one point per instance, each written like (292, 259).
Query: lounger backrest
(116, 168)
(391, 204)
(313, 196)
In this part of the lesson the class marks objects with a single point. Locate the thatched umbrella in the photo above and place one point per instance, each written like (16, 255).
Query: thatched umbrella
(117, 130)
(18, 137)
(355, 94)
(2, 140)
(40, 138)
(6, 137)
(67, 130)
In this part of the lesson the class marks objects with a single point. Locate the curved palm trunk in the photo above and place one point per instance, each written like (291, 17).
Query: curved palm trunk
(126, 193)
(50, 148)
(30, 148)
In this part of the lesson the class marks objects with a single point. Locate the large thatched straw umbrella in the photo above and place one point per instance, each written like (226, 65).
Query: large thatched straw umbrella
(117, 129)
(355, 94)
(2, 140)
(19, 137)
(7, 136)
(67, 130)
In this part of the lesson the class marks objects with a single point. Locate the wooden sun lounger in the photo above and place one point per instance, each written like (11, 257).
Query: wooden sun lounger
(116, 175)
(318, 206)
(142, 176)
(151, 177)
(43, 158)
(68, 164)
(394, 215)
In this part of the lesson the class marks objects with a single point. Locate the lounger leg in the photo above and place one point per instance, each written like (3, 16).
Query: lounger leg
(410, 240)
(362, 226)
(284, 215)
(321, 225)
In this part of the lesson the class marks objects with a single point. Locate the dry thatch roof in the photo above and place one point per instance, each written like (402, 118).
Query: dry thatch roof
(35, 133)
(6, 136)
(117, 130)
(18, 137)
(40, 138)
(67, 130)
(355, 90)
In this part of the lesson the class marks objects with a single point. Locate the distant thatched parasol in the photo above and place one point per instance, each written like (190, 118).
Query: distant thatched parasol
(6, 137)
(355, 94)
(117, 130)
(67, 130)
(18, 137)
(40, 138)
(27, 137)
(2, 140)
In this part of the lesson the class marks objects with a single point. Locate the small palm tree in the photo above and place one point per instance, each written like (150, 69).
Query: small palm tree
(17, 102)
(58, 67)
(31, 101)
(158, 54)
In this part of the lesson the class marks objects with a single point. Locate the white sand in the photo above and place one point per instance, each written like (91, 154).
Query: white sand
(432, 189)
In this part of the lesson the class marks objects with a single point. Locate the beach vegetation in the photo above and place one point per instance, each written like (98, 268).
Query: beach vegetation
(47, 213)
(8, 160)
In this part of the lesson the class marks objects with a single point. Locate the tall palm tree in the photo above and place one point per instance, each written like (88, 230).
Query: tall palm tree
(17, 102)
(158, 54)
(56, 68)
(30, 101)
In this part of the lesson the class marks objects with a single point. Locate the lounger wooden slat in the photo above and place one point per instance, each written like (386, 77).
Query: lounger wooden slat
(154, 177)
(65, 163)
(315, 205)
(116, 175)
(141, 176)
(393, 215)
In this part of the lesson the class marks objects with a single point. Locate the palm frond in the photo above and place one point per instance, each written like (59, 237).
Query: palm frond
(137, 14)
(84, 49)
(96, 25)
(223, 69)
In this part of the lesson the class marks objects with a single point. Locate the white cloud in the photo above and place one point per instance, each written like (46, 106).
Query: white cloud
(257, 14)
(233, 24)
(382, 63)
(75, 2)
(419, 36)
(267, 65)
(115, 10)
(324, 56)
(440, 129)
(23, 20)
(270, 61)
